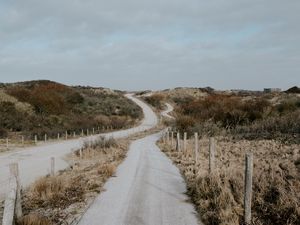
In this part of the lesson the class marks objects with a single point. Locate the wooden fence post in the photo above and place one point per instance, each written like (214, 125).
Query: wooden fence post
(87, 132)
(248, 188)
(52, 169)
(93, 130)
(80, 153)
(7, 143)
(66, 135)
(45, 137)
(10, 203)
(211, 154)
(14, 171)
(168, 137)
(178, 142)
(35, 139)
(196, 147)
(58, 136)
(82, 132)
(74, 134)
(184, 142)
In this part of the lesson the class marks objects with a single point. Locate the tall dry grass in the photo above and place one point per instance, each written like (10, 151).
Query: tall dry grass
(34, 219)
(218, 197)
(65, 196)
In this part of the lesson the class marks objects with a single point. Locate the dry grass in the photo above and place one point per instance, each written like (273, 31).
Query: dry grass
(34, 219)
(64, 197)
(219, 196)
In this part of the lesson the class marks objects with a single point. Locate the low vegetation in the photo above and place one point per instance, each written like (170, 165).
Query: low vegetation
(156, 100)
(39, 107)
(260, 116)
(218, 196)
(61, 199)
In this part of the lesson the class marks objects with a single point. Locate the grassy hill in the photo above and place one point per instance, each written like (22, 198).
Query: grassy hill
(38, 107)
(240, 113)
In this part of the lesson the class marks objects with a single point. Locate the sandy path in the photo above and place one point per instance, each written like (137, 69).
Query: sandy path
(167, 111)
(147, 190)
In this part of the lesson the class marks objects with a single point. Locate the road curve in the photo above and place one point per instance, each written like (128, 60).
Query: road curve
(147, 190)
(169, 109)
(35, 161)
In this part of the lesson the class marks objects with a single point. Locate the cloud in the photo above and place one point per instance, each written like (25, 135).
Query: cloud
(137, 44)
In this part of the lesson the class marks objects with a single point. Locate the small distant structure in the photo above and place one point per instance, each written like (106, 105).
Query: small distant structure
(272, 90)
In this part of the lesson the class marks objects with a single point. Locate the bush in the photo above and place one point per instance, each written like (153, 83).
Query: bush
(252, 118)
(3, 133)
(155, 100)
(100, 143)
(10, 118)
(183, 123)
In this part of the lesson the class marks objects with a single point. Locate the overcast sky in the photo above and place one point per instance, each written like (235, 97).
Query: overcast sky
(152, 44)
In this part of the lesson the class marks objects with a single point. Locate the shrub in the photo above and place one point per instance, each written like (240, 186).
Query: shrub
(55, 192)
(183, 123)
(3, 133)
(10, 118)
(101, 142)
(155, 100)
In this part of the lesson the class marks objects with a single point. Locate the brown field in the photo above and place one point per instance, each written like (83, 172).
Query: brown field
(218, 197)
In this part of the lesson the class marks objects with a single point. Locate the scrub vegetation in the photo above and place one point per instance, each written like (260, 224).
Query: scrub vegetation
(39, 107)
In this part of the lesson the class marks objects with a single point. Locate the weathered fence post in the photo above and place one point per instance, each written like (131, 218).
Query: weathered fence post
(196, 147)
(211, 154)
(74, 134)
(87, 132)
(35, 139)
(52, 169)
(10, 203)
(58, 136)
(82, 132)
(168, 137)
(93, 130)
(45, 137)
(178, 142)
(80, 153)
(14, 171)
(184, 142)
(248, 188)
(7, 143)
(66, 135)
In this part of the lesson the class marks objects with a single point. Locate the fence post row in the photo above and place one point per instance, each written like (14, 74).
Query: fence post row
(248, 188)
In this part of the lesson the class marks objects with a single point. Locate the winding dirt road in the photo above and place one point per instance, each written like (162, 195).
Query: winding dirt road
(147, 190)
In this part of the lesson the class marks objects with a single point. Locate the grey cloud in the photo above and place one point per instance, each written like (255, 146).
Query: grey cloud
(136, 44)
